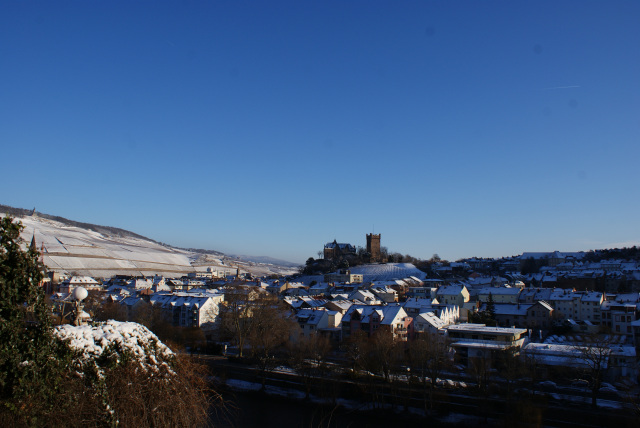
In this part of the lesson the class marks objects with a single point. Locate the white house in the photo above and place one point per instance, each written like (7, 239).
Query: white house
(315, 321)
(453, 295)
(68, 285)
(190, 309)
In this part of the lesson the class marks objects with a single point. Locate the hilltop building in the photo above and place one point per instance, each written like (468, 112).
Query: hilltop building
(373, 248)
(334, 250)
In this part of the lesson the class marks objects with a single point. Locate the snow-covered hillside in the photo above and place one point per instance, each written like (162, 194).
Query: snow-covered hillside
(72, 249)
(77, 250)
(387, 272)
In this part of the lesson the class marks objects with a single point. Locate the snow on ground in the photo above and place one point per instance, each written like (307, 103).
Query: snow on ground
(587, 400)
(69, 249)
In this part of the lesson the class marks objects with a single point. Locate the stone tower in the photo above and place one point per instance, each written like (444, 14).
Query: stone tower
(373, 248)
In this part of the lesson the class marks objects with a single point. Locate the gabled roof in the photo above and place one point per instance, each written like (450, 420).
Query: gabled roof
(311, 302)
(386, 314)
(311, 316)
(592, 296)
(342, 246)
(418, 302)
(545, 305)
(383, 289)
(391, 313)
(450, 290)
(343, 305)
(429, 318)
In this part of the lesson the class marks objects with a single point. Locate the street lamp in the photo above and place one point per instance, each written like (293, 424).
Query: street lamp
(79, 294)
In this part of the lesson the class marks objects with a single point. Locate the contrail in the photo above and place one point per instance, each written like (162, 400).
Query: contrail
(564, 87)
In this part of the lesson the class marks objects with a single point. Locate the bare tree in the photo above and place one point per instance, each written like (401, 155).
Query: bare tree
(382, 352)
(481, 368)
(307, 355)
(430, 357)
(592, 358)
(110, 310)
(356, 346)
(511, 367)
(269, 330)
(236, 314)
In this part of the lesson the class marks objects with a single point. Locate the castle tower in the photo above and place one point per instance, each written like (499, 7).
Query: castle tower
(373, 247)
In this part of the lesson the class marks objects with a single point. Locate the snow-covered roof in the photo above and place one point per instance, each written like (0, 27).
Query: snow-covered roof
(342, 246)
(450, 290)
(628, 297)
(311, 316)
(481, 328)
(385, 314)
(418, 302)
(198, 300)
(81, 280)
(500, 291)
(545, 305)
(342, 304)
(427, 318)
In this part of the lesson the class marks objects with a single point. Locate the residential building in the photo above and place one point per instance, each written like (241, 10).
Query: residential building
(370, 318)
(318, 321)
(499, 294)
(619, 317)
(477, 341)
(453, 295)
(190, 309)
(68, 285)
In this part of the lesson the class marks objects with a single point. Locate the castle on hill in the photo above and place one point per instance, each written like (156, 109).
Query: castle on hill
(336, 251)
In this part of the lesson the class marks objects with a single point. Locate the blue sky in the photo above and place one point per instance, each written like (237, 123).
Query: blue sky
(270, 128)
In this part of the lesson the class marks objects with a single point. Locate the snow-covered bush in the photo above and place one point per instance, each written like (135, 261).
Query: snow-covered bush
(116, 343)
(130, 378)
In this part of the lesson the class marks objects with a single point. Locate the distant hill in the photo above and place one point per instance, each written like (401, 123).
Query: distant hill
(114, 231)
(266, 260)
(77, 248)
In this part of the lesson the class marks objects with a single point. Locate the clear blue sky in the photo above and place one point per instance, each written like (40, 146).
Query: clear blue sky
(467, 128)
